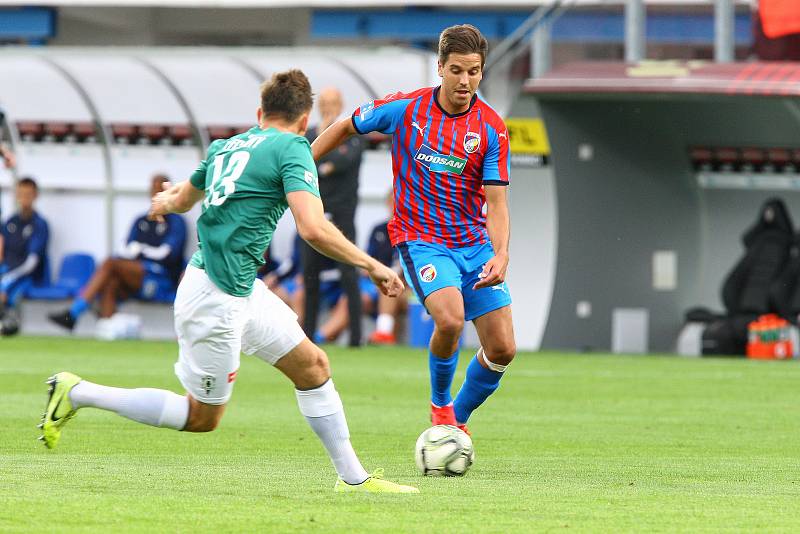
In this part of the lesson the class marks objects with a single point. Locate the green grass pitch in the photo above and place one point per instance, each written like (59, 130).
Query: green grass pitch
(579, 443)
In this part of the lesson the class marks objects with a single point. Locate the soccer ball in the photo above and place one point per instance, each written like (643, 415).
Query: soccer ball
(444, 450)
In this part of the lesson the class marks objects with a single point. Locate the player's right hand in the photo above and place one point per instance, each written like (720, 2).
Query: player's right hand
(387, 281)
(158, 204)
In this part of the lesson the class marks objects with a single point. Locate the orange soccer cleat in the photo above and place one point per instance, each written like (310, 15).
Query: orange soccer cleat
(382, 338)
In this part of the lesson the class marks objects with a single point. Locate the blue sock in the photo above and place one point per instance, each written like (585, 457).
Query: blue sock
(442, 371)
(478, 385)
(319, 338)
(78, 307)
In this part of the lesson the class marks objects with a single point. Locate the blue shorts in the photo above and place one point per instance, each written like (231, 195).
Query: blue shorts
(157, 285)
(368, 289)
(16, 289)
(429, 267)
(329, 291)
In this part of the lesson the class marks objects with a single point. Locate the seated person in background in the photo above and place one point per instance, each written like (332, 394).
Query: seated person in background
(372, 302)
(148, 268)
(280, 277)
(380, 248)
(23, 254)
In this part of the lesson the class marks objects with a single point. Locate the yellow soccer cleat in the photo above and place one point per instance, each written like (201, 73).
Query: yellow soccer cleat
(59, 408)
(374, 484)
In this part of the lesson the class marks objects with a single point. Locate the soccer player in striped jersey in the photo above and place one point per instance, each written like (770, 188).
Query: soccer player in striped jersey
(450, 221)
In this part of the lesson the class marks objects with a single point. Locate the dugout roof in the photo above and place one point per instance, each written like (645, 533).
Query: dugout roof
(671, 77)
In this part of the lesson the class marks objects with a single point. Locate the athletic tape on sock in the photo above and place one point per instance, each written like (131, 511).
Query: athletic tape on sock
(493, 366)
(319, 402)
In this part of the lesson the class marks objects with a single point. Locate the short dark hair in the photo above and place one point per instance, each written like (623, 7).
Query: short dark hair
(287, 95)
(27, 180)
(462, 39)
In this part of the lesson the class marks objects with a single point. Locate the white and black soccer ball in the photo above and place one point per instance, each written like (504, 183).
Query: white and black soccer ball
(444, 450)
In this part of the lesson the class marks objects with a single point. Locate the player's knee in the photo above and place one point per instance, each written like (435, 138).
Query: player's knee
(316, 370)
(502, 352)
(205, 426)
(107, 265)
(450, 325)
(320, 365)
(202, 423)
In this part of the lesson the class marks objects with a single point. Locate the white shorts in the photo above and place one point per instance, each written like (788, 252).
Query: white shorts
(214, 327)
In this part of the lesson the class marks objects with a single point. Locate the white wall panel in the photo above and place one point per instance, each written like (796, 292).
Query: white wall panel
(39, 92)
(533, 252)
(68, 166)
(134, 166)
(321, 71)
(77, 224)
(389, 71)
(124, 90)
(217, 89)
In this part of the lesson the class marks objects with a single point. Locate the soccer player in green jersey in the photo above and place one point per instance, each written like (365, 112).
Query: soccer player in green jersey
(246, 183)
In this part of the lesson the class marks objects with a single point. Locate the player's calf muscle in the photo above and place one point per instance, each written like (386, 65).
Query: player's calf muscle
(203, 417)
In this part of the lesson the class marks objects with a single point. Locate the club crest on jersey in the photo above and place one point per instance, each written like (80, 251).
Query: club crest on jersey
(427, 273)
(439, 162)
(472, 141)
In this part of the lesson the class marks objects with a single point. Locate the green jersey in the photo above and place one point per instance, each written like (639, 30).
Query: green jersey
(246, 179)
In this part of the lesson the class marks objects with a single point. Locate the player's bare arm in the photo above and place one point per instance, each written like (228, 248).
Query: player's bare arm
(8, 157)
(178, 198)
(498, 228)
(333, 136)
(321, 234)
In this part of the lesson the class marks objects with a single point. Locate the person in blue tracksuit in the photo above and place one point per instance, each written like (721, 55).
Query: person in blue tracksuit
(23, 254)
(149, 267)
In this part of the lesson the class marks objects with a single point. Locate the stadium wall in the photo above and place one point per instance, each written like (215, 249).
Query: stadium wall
(624, 188)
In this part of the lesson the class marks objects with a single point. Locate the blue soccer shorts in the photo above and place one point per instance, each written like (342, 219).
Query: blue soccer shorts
(157, 285)
(429, 267)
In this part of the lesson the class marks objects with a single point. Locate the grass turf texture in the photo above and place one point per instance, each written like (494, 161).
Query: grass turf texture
(575, 442)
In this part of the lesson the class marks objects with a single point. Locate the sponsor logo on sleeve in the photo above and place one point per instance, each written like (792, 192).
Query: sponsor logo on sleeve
(366, 110)
(439, 162)
(427, 273)
(472, 141)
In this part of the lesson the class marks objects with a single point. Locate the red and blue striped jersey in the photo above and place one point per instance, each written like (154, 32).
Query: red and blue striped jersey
(440, 164)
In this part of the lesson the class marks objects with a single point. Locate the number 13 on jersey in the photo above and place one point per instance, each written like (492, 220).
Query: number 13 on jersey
(223, 183)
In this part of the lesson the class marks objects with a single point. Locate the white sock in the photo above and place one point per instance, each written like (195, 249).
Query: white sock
(323, 410)
(384, 323)
(154, 407)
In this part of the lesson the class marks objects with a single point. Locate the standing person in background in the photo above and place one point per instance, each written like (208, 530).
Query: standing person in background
(338, 188)
(148, 268)
(23, 254)
(450, 163)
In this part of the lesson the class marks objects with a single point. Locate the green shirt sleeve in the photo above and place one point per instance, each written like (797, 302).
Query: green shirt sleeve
(198, 178)
(298, 171)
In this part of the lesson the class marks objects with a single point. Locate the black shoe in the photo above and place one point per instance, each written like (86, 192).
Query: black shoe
(63, 319)
(9, 325)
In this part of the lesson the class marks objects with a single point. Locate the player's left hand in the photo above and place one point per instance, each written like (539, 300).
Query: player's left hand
(494, 272)
(159, 204)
